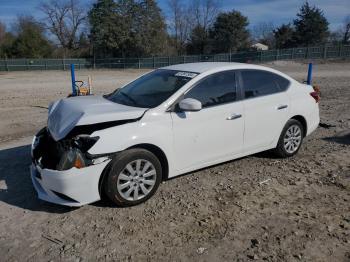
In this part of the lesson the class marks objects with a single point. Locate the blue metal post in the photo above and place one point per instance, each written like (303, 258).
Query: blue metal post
(309, 74)
(74, 91)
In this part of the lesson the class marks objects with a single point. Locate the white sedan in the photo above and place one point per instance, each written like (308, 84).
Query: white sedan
(168, 122)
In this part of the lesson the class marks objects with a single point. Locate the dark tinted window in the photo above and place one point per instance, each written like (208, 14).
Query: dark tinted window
(258, 83)
(217, 89)
(282, 82)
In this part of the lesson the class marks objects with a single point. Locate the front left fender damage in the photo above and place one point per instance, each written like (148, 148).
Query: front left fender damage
(50, 153)
(63, 172)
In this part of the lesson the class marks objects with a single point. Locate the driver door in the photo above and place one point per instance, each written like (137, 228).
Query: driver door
(213, 134)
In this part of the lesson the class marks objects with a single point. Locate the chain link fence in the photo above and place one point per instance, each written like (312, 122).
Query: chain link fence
(319, 52)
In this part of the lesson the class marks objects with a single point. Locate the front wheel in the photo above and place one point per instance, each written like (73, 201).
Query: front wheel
(290, 139)
(133, 178)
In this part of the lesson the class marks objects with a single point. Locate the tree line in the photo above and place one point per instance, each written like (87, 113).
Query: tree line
(138, 28)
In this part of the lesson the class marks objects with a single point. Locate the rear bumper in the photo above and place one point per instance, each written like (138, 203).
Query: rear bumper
(313, 120)
(73, 187)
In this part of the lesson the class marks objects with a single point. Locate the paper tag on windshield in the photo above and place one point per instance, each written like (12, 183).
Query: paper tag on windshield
(186, 74)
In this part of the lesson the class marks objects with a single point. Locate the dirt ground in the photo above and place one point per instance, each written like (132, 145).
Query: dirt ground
(254, 208)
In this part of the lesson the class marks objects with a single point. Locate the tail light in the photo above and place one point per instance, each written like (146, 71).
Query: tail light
(316, 93)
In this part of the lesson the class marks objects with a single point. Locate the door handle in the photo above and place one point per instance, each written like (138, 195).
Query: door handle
(234, 116)
(282, 107)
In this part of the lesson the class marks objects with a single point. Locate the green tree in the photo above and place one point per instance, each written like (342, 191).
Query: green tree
(6, 41)
(284, 36)
(148, 31)
(229, 32)
(311, 26)
(127, 28)
(30, 41)
(105, 33)
(199, 42)
(6, 45)
(83, 46)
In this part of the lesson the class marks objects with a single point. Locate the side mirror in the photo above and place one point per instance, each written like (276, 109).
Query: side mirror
(190, 104)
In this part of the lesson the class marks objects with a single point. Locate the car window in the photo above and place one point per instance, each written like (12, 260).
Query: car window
(259, 83)
(152, 89)
(282, 82)
(216, 89)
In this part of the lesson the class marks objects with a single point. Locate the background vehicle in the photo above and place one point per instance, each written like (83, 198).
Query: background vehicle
(169, 122)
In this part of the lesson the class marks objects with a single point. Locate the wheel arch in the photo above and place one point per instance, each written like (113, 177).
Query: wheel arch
(159, 153)
(303, 122)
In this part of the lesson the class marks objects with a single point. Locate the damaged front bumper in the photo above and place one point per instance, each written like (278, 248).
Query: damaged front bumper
(73, 187)
(70, 185)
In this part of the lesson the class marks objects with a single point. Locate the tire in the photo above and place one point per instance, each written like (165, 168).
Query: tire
(284, 150)
(133, 177)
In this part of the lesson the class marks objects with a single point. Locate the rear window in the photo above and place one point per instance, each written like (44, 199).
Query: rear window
(282, 82)
(259, 83)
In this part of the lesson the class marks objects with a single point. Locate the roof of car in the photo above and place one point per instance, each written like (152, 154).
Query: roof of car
(203, 66)
(217, 66)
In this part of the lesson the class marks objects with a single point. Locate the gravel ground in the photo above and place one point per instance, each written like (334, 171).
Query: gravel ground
(254, 208)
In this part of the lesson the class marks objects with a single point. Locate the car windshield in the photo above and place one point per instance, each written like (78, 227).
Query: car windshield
(151, 89)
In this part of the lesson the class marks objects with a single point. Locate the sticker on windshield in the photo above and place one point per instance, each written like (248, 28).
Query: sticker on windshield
(186, 74)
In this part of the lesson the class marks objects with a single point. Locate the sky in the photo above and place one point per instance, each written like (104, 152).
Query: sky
(274, 11)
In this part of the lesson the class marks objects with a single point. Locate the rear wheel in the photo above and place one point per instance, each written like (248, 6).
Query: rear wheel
(290, 139)
(133, 178)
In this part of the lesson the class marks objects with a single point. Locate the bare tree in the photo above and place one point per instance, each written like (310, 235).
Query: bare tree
(336, 36)
(263, 32)
(180, 23)
(64, 19)
(204, 12)
(2, 31)
(346, 37)
(185, 17)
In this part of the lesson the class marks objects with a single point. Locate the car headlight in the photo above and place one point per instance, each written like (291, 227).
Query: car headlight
(72, 158)
(75, 155)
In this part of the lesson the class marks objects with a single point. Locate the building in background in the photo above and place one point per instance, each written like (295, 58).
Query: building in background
(260, 46)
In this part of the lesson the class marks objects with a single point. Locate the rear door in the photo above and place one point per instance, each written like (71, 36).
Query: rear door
(266, 107)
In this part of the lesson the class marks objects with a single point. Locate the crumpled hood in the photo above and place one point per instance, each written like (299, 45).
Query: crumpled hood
(67, 113)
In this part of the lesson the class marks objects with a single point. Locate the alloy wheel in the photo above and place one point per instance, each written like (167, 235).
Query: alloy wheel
(292, 139)
(136, 180)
